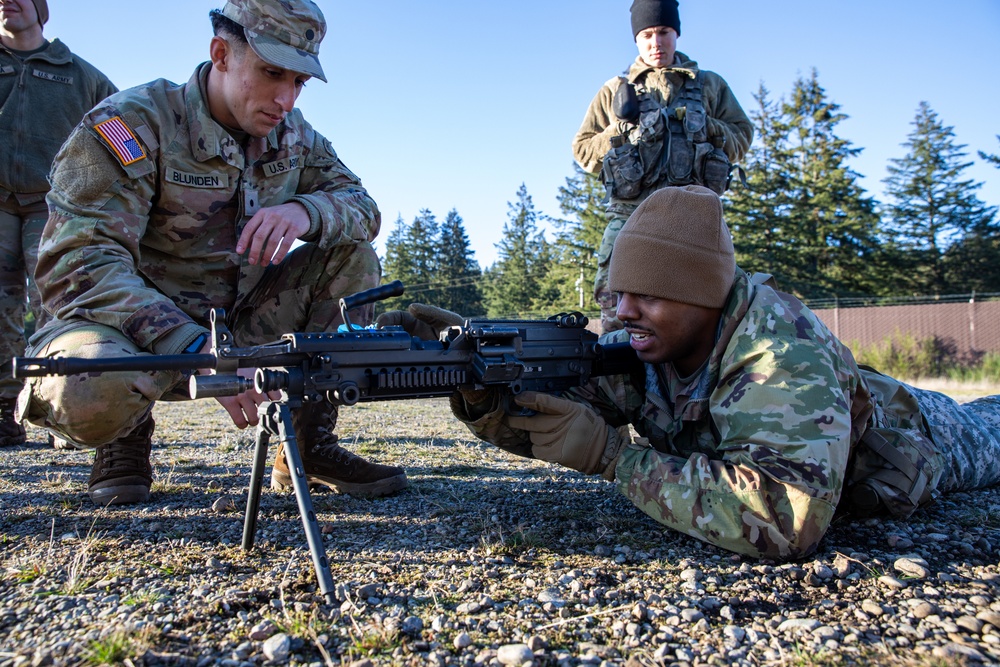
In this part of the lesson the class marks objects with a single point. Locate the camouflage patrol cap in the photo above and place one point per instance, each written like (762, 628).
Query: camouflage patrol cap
(676, 246)
(284, 33)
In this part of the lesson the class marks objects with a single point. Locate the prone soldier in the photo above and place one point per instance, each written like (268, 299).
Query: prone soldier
(756, 426)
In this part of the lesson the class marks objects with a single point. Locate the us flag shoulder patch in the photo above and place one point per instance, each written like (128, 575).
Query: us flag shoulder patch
(120, 139)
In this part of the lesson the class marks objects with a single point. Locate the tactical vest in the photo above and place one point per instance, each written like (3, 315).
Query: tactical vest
(666, 145)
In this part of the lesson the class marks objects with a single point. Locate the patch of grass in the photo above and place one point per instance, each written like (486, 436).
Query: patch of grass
(117, 646)
(142, 597)
(25, 573)
(495, 542)
(978, 517)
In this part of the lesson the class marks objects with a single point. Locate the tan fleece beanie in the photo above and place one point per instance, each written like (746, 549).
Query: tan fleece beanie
(676, 246)
(42, 9)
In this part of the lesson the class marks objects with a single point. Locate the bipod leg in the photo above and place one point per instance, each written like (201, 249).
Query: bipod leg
(279, 414)
(256, 481)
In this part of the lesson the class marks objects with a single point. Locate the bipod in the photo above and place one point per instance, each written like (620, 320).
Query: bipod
(276, 419)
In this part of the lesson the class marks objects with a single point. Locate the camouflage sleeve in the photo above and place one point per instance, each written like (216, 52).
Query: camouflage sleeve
(90, 246)
(593, 140)
(340, 210)
(771, 486)
(726, 117)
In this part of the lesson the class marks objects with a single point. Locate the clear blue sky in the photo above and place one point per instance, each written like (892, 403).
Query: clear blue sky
(445, 104)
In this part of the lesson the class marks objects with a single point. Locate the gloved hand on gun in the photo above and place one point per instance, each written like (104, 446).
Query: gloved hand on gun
(420, 320)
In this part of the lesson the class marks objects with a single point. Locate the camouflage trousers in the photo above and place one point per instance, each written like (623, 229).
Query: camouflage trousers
(20, 230)
(968, 434)
(302, 294)
(606, 300)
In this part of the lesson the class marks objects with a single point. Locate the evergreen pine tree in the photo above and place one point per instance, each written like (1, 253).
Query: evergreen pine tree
(458, 273)
(518, 279)
(577, 241)
(932, 211)
(422, 244)
(992, 159)
(397, 265)
(831, 224)
(756, 213)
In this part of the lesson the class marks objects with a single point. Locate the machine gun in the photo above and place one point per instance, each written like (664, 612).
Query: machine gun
(355, 365)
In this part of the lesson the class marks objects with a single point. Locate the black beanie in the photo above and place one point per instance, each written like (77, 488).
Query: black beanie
(649, 13)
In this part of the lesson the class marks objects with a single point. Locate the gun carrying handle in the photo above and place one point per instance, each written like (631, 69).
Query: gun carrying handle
(395, 288)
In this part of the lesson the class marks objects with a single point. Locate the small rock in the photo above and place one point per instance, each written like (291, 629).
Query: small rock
(891, 582)
(278, 647)
(735, 633)
(923, 609)
(536, 643)
(514, 654)
(411, 625)
(463, 640)
(872, 608)
(912, 567)
(224, 504)
(970, 623)
(262, 631)
(807, 624)
(899, 542)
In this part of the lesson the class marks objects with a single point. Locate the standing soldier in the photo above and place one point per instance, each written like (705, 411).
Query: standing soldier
(663, 122)
(44, 91)
(171, 200)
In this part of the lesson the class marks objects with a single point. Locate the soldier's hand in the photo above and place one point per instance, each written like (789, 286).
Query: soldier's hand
(269, 234)
(563, 431)
(242, 408)
(420, 320)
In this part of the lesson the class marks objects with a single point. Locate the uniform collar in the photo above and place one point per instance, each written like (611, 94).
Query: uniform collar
(682, 65)
(56, 53)
(208, 137)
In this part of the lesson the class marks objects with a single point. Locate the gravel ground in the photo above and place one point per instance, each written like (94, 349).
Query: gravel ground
(485, 560)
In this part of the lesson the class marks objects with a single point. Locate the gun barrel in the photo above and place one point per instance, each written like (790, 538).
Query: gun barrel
(214, 386)
(43, 366)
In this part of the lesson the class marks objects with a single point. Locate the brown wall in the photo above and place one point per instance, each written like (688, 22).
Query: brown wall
(966, 329)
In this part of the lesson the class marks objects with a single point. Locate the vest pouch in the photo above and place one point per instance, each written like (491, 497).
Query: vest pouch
(622, 172)
(893, 472)
(680, 158)
(695, 120)
(713, 167)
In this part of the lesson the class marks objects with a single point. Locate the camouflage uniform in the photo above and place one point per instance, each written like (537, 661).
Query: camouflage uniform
(42, 98)
(141, 244)
(751, 453)
(593, 140)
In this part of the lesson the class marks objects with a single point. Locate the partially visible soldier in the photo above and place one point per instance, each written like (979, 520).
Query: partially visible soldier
(663, 122)
(756, 425)
(170, 200)
(44, 91)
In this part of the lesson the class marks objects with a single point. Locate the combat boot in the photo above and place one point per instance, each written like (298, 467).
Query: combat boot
(11, 431)
(122, 473)
(329, 464)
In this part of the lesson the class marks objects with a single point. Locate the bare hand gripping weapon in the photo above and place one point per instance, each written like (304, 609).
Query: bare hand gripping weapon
(360, 365)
